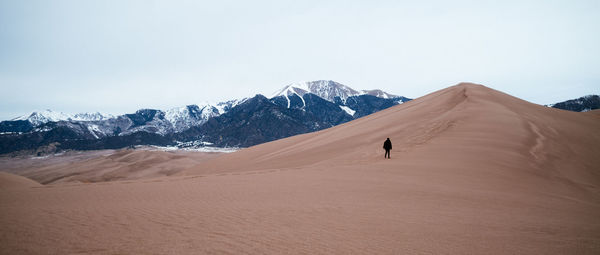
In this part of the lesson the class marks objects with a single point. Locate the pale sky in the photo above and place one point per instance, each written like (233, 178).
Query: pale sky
(120, 56)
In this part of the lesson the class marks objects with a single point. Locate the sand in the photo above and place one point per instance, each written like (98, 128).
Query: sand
(473, 171)
(10, 181)
(103, 165)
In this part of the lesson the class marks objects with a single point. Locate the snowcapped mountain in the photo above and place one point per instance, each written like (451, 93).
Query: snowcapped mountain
(172, 120)
(224, 107)
(378, 93)
(182, 118)
(96, 116)
(325, 89)
(328, 90)
(582, 104)
(40, 117)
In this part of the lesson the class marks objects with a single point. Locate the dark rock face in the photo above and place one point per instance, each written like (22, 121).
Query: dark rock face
(367, 104)
(255, 121)
(64, 138)
(582, 104)
(15, 126)
(194, 110)
(142, 117)
(325, 111)
(33, 140)
(321, 109)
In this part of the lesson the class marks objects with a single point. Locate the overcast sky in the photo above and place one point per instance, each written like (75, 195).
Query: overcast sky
(119, 56)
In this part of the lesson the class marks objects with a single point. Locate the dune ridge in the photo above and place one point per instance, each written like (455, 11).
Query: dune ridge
(470, 114)
(12, 181)
(473, 171)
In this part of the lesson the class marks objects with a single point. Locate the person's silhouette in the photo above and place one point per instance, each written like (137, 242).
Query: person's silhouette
(387, 145)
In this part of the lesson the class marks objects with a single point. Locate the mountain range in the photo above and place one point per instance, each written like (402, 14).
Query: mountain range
(582, 104)
(297, 108)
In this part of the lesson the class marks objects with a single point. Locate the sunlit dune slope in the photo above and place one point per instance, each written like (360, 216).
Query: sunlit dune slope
(104, 166)
(11, 181)
(466, 126)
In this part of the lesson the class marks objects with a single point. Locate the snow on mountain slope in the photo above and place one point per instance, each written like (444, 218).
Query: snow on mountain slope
(40, 117)
(94, 130)
(378, 93)
(291, 90)
(327, 90)
(348, 110)
(176, 119)
(224, 107)
(96, 116)
(182, 118)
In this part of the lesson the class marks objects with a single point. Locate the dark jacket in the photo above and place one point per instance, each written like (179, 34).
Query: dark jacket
(387, 144)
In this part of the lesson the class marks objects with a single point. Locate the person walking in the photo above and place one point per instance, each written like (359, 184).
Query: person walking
(387, 145)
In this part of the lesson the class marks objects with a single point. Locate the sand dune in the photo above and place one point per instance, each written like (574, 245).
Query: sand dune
(460, 120)
(473, 171)
(105, 165)
(11, 181)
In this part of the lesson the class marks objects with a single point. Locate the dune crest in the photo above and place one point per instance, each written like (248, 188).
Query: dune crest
(12, 181)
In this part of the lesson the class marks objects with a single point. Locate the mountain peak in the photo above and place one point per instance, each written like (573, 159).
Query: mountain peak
(40, 117)
(379, 93)
(582, 104)
(94, 116)
(328, 90)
